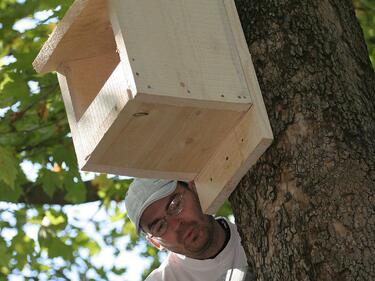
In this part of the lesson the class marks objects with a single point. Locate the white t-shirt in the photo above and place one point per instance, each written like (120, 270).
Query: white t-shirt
(229, 264)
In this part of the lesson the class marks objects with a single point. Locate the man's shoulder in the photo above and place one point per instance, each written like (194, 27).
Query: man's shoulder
(156, 275)
(159, 273)
(170, 269)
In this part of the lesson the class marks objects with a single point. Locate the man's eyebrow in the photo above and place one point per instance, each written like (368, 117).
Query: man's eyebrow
(151, 224)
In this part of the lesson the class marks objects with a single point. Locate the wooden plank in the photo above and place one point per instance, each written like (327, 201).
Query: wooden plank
(152, 96)
(247, 63)
(86, 78)
(182, 53)
(245, 144)
(138, 173)
(84, 32)
(70, 114)
(236, 154)
(103, 112)
(97, 120)
(172, 140)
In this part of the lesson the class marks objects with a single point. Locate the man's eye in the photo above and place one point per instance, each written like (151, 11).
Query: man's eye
(159, 227)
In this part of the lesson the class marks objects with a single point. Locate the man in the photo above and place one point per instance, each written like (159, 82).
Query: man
(200, 247)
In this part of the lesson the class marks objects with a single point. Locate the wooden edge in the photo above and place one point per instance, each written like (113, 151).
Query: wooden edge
(70, 113)
(247, 64)
(97, 123)
(236, 154)
(121, 48)
(41, 62)
(188, 102)
(89, 130)
(246, 142)
(152, 174)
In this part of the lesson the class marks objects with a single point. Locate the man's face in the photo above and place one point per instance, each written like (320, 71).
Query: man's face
(190, 232)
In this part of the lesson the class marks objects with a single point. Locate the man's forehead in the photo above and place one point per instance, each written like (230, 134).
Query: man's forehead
(157, 208)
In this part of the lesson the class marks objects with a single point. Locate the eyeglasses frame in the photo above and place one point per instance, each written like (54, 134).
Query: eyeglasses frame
(169, 214)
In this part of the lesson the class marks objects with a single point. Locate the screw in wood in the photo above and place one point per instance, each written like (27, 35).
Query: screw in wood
(139, 114)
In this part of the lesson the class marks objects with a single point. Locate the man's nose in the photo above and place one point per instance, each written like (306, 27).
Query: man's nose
(173, 223)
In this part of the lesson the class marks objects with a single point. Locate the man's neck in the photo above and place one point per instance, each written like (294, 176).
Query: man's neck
(218, 242)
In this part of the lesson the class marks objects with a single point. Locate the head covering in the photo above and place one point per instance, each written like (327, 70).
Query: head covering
(142, 193)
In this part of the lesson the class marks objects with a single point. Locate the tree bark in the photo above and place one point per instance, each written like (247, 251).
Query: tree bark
(306, 210)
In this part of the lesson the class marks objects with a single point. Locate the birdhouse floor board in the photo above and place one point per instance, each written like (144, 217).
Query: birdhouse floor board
(165, 138)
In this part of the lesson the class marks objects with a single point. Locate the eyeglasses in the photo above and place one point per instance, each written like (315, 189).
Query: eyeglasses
(176, 205)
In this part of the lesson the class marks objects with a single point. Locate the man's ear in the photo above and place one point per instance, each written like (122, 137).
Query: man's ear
(154, 243)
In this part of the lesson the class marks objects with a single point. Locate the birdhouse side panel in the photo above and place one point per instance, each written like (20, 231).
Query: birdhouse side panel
(182, 49)
(98, 119)
(87, 77)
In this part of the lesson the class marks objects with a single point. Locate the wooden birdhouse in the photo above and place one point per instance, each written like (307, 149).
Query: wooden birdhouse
(160, 89)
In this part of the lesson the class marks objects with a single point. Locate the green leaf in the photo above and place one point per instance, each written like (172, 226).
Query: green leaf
(118, 271)
(118, 216)
(93, 247)
(65, 154)
(56, 218)
(58, 248)
(23, 246)
(45, 235)
(4, 253)
(28, 122)
(76, 192)
(225, 210)
(84, 241)
(9, 195)
(13, 91)
(129, 229)
(50, 181)
(8, 167)
(49, 241)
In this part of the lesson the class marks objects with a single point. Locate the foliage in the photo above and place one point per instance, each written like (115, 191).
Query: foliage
(41, 241)
(365, 11)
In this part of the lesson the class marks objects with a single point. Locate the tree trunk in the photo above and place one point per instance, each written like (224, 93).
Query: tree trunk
(306, 210)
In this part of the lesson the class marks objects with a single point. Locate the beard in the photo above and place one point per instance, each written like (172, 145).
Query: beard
(199, 239)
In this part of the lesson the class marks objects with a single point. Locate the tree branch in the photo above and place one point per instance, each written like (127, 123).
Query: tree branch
(35, 195)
